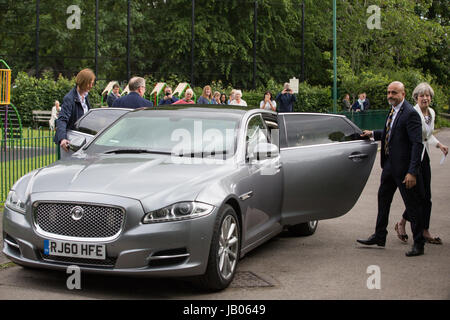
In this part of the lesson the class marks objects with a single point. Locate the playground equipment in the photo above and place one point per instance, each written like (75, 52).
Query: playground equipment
(10, 122)
(181, 89)
(107, 90)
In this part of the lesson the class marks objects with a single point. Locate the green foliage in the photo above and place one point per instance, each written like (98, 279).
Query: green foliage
(313, 99)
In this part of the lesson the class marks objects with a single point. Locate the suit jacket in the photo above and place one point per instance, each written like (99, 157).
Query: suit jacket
(357, 106)
(71, 111)
(405, 142)
(133, 101)
(111, 98)
(427, 137)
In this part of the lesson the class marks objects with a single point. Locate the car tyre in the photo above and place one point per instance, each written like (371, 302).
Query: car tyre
(304, 229)
(224, 251)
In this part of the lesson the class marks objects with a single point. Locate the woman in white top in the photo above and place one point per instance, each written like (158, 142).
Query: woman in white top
(55, 112)
(423, 94)
(268, 103)
(238, 101)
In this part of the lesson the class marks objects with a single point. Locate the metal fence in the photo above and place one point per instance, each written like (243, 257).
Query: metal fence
(367, 120)
(34, 150)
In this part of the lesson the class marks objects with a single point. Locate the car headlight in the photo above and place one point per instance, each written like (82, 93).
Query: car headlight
(13, 202)
(178, 211)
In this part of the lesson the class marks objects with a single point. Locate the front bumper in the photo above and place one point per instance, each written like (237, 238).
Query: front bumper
(160, 249)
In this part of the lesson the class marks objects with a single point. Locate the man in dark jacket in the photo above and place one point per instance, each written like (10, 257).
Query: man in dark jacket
(168, 97)
(362, 104)
(74, 106)
(285, 99)
(134, 99)
(401, 150)
(113, 95)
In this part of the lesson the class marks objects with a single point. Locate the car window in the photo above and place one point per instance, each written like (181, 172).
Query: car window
(305, 130)
(97, 119)
(256, 133)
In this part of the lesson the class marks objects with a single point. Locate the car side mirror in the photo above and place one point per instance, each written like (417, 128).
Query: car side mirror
(264, 151)
(76, 143)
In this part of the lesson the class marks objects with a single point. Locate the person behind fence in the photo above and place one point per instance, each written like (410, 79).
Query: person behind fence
(168, 97)
(188, 95)
(367, 107)
(223, 98)
(75, 105)
(268, 103)
(55, 112)
(238, 101)
(206, 97)
(423, 94)
(401, 149)
(135, 99)
(216, 98)
(286, 99)
(346, 104)
(361, 104)
(232, 95)
(113, 95)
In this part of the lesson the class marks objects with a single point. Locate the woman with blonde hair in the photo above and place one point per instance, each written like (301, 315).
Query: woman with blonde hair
(423, 94)
(206, 97)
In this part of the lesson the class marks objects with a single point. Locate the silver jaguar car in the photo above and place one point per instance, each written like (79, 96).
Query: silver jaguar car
(184, 191)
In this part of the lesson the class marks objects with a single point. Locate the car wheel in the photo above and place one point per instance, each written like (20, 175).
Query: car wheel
(304, 229)
(224, 252)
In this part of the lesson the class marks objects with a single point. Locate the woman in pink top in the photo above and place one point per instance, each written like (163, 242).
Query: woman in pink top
(187, 98)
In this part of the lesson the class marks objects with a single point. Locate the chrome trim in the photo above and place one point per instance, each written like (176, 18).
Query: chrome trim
(315, 114)
(246, 196)
(55, 236)
(184, 255)
(11, 243)
(324, 144)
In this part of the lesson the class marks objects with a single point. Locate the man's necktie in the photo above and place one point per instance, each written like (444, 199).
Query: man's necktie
(388, 131)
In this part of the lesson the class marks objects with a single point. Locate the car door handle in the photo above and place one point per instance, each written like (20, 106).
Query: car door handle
(358, 156)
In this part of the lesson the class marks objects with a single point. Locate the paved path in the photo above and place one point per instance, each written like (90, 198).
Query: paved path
(328, 265)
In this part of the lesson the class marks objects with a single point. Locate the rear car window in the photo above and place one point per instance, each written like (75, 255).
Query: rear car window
(308, 129)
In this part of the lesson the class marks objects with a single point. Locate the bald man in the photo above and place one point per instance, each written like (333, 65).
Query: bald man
(401, 149)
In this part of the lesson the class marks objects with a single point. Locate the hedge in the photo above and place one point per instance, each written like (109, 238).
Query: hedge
(30, 93)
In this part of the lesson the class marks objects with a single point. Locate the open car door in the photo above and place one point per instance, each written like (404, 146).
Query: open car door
(326, 165)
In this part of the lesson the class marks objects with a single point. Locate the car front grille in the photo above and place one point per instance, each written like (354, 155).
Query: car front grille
(95, 221)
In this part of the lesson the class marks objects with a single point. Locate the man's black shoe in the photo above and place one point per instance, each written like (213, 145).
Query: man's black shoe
(415, 251)
(373, 240)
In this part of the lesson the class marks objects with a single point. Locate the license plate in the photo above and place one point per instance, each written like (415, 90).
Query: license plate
(75, 249)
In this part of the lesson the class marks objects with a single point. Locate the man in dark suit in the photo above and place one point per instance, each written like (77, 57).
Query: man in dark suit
(401, 148)
(134, 99)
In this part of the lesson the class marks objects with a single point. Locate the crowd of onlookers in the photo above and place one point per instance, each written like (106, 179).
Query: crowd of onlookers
(285, 98)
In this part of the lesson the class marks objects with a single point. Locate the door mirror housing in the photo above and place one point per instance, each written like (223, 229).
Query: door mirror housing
(264, 151)
(76, 143)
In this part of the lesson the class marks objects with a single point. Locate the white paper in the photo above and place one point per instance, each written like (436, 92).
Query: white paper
(443, 158)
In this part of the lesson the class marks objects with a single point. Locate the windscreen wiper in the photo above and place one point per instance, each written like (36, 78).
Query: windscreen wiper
(136, 151)
(203, 154)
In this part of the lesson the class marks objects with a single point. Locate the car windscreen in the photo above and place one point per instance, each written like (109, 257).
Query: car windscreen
(97, 119)
(184, 134)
